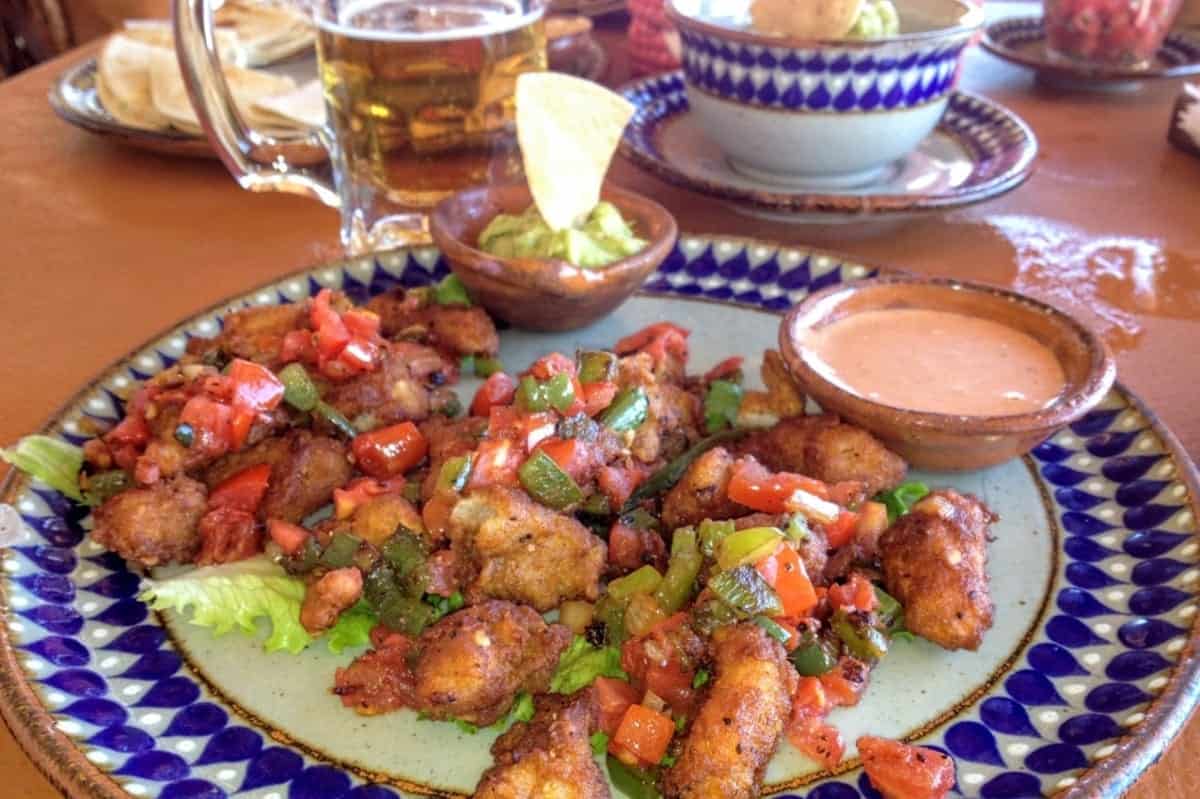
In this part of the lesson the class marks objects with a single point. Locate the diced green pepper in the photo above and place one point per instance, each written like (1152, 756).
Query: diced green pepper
(798, 530)
(634, 783)
(712, 534)
(889, 610)
(299, 390)
(773, 629)
(406, 554)
(611, 614)
(597, 366)
(684, 567)
(643, 581)
(627, 411)
(701, 679)
(666, 477)
(721, 404)
(304, 561)
(862, 639)
(596, 505)
(335, 418)
(577, 426)
(105, 485)
(454, 473)
(744, 590)
(406, 614)
(560, 393)
(546, 482)
(814, 657)
(599, 742)
(451, 291)
(340, 550)
(641, 519)
(747, 546)
(710, 615)
(486, 367)
(531, 395)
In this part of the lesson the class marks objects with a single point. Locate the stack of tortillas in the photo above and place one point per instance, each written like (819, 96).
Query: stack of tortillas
(139, 83)
(266, 32)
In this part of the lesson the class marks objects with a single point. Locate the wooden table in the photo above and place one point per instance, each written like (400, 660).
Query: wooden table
(104, 247)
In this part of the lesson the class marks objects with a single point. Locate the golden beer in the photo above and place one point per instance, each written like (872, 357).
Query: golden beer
(420, 98)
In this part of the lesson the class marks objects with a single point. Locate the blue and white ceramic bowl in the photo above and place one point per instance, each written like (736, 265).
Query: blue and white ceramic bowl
(830, 113)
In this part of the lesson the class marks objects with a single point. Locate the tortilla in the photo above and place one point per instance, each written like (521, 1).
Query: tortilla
(160, 33)
(568, 129)
(805, 19)
(170, 96)
(123, 82)
(267, 33)
(305, 106)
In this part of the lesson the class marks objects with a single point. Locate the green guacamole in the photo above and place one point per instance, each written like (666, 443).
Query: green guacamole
(603, 238)
(876, 19)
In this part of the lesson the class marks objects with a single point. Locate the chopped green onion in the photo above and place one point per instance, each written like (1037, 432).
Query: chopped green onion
(185, 435)
(531, 395)
(900, 499)
(599, 742)
(641, 519)
(667, 761)
(597, 366)
(451, 291)
(798, 530)
(486, 367)
(596, 505)
(634, 783)
(454, 473)
(712, 534)
(545, 481)
(466, 365)
(862, 639)
(721, 404)
(523, 709)
(666, 477)
(299, 390)
(335, 418)
(627, 411)
(744, 590)
(560, 393)
(56, 463)
(684, 567)
(643, 581)
(466, 726)
(701, 679)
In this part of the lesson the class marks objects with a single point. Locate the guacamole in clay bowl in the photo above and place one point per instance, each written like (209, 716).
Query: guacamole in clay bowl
(603, 238)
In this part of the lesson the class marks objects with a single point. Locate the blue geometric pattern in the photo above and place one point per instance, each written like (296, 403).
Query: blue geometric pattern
(830, 80)
(1123, 600)
(1001, 147)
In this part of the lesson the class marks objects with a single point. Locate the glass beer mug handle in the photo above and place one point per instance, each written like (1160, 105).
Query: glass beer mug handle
(256, 161)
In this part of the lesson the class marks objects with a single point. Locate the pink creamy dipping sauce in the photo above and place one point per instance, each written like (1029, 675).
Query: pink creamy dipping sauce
(936, 361)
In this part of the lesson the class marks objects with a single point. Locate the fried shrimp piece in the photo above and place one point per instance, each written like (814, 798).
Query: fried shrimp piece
(934, 561)
(673, 413)
(550, 757)
(472, 664)
(305, 469)
(739, 725)
(255, 334)
(401, 389)
(454, 330)
(326, 598)
(153, 525)
(517, 549)
(827, 449)
(700, 493)
(378, 681)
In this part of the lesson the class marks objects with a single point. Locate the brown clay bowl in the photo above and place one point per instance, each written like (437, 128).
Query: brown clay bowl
(545, 293)
(947, 442)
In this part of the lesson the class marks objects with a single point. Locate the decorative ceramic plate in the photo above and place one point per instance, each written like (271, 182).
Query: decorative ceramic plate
(1022, 40)
(1085, 677)
(74, 98)
(979, 150)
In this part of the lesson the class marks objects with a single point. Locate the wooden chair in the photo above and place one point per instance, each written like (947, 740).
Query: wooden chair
(31, 31)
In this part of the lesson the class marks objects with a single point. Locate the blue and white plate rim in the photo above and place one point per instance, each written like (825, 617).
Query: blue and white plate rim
(657, 112)
(61, 758)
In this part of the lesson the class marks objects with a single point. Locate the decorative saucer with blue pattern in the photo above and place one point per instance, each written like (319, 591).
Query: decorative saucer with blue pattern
(1088, 672)
(979, 150)
(1022, 40)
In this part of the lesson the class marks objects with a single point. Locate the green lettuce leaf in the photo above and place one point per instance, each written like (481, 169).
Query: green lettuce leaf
(56, 463)
(236, 595)
(353, 629)
(582, 663)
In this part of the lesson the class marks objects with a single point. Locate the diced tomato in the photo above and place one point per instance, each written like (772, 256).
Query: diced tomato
(810, 699)
(131, 431)
(243, 491)
(724, 369)
(755, 486)
(290, 537)
(435, 513)
(857, 593)
(240, 422)
(527, 430)
(496, 462)
(361, 322)
(346, 500)
(900, 771)
(841, 532)
(618, 483)
(389, 451)
(499, 389)
(845, 683)
(227, 534)
(786, 574)
(553, 364)
(255, 387)
(654, 663)
(613, 697)
(359, 354)
(298, 346)
(211, 423)
(570, 455)
(658, 340)
(332, 334)
(644, 733)
(597, 397)
(820, 741)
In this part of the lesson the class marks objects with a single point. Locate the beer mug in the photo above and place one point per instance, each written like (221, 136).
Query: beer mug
(419, 103)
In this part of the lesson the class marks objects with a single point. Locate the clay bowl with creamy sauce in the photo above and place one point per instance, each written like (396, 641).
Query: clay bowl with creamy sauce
(545, 293)
(950, 375)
